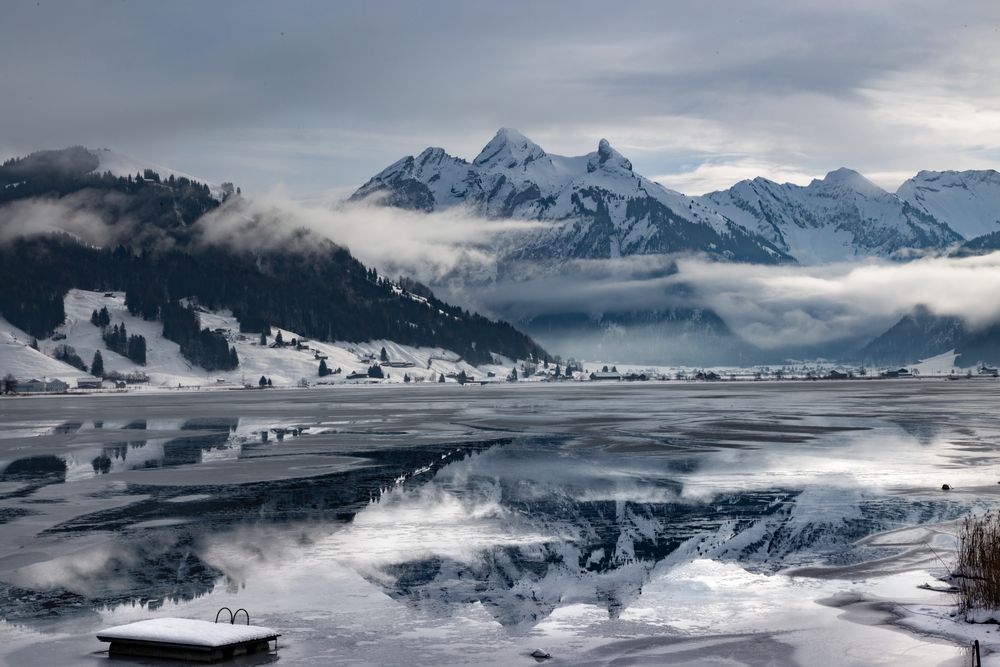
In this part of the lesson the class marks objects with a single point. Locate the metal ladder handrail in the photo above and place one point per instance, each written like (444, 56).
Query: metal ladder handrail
(231, 616)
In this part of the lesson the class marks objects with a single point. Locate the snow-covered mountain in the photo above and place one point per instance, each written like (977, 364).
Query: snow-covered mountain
(598, 206)
(967, 201)
(843, 216)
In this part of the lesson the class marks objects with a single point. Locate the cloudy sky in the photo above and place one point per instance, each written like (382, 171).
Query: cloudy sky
(318, 96)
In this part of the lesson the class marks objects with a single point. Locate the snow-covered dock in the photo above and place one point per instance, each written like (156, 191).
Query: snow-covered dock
(187, 639)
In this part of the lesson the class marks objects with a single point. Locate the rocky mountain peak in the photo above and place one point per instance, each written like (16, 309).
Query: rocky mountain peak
(508, 149)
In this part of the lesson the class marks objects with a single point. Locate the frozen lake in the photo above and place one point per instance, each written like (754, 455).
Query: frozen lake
(718, 524)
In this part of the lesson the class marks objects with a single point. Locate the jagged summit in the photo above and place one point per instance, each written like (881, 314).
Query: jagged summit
(508, 149)
(601, 207)
(608, 157)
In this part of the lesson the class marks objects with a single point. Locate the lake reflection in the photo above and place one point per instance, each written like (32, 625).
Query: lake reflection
(517, 510)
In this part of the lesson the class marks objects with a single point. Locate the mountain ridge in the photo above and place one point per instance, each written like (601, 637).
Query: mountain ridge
(600, 208)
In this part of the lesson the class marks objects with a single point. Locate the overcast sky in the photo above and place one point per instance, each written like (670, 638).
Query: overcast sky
(319, 96)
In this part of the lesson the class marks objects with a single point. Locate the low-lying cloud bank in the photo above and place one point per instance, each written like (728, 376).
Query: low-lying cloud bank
(427, 246)
(776, 306)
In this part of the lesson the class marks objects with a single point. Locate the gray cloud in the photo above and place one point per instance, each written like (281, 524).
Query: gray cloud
(325, 95)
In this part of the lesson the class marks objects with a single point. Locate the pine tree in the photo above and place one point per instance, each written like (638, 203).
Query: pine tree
(440, 378)
(97, 365)
(263, 339)
(323, 369)
(383, 356)
(136, 350)
(278, 340)
(100, 318)
(263, 381)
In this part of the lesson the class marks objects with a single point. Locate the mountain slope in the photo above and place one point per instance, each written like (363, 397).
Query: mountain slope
(841, 217)
(151, 239)
(967, 201)
(683, 336)
(921, 335)
(600, 208)
(918, 335)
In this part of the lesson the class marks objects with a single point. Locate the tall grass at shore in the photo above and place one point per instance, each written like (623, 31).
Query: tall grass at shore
(977, 573)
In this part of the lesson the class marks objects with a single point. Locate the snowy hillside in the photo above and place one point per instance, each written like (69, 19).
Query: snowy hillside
(165, 366)
(601, 208)
(19, 359)
(843, 216)
(967, 201)
(123, 165)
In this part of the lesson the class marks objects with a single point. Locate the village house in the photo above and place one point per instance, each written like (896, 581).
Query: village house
(35, 386)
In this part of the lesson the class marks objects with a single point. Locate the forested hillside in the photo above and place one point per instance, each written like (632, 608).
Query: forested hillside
(314, 287)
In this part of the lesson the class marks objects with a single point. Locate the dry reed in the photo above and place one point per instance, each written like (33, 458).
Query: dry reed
(977, 574)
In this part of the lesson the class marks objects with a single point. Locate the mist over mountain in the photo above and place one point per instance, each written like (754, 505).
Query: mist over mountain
(169, 241)
(593, 212)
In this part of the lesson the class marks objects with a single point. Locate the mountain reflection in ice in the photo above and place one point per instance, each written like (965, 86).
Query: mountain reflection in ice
(527, 527)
